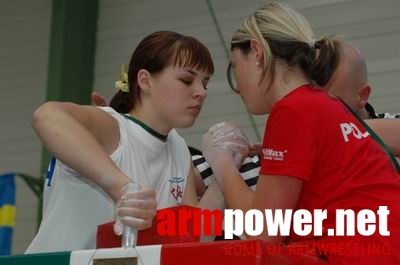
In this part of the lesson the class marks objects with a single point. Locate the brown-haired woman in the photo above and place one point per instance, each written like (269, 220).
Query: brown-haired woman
(100, 150)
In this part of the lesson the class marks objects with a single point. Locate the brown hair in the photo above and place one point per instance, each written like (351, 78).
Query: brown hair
(156, 52)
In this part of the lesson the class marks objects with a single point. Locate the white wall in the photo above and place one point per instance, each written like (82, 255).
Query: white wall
(24, 37)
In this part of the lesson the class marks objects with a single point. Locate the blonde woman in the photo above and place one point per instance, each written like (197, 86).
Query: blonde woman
(316, 154)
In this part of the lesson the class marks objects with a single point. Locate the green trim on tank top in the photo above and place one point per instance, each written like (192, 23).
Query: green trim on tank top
(147, 128)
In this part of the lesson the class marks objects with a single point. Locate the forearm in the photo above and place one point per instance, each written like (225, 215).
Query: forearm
(212, 198)
(71, 142)
(236, 193)
(388, 130)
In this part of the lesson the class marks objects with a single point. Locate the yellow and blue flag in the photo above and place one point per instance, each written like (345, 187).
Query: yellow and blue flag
(7, 212)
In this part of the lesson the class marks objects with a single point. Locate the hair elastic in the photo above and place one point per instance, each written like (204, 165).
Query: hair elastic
(311, 44)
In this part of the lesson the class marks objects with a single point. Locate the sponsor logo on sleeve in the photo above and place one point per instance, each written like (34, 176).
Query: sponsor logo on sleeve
(275, 155)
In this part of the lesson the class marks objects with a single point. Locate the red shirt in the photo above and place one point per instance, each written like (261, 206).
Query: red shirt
(313, 137)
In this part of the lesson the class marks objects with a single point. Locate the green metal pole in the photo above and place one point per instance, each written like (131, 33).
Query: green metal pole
(71, 57)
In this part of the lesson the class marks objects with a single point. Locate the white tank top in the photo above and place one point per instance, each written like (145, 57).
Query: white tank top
(74, 206)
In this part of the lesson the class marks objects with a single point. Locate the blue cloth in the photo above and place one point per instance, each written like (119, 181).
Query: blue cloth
(7, 212)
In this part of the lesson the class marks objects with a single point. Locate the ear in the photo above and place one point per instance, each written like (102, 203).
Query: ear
(257, 48)
(144, 80)
(363, 94)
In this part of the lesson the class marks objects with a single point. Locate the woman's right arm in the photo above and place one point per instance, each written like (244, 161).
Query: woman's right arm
(82, 137)
(388, 130)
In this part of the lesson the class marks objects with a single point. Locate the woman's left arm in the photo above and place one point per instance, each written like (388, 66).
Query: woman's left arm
(274, 193)
(211, 199)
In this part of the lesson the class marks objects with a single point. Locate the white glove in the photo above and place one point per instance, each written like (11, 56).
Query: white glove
(255, 149)
(225, 139)
(135, 209)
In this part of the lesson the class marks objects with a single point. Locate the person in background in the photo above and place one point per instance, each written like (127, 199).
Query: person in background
(310, 159)
(350, 83)
(99, 151)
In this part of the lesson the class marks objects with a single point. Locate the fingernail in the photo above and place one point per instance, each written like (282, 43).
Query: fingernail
(118, 229)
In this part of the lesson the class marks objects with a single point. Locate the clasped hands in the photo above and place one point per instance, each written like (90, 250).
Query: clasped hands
(223, 144)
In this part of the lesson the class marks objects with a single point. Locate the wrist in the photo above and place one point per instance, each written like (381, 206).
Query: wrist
(224, 169)
(117, 188)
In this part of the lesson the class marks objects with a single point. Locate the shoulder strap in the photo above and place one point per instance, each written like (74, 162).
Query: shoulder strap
(375, 137)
